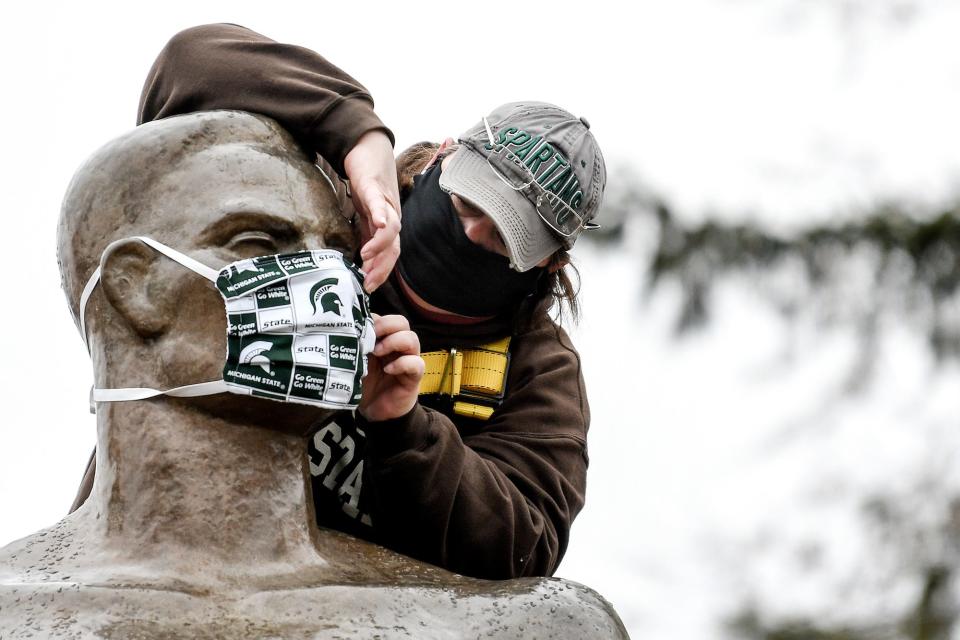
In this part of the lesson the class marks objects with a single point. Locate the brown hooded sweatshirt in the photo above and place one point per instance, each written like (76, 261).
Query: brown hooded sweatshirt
(490, 499)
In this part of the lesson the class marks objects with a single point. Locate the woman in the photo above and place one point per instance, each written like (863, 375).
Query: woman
(485, 483)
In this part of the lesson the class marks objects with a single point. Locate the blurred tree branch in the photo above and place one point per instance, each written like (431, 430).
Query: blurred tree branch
(914, 263)
(888, 262)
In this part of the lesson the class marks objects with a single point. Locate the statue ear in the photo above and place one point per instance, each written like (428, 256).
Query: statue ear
(127, 271)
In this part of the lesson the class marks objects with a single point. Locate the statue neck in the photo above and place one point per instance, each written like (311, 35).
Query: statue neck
(174, 482)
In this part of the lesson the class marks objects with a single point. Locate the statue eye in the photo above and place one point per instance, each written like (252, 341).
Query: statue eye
(253, 243)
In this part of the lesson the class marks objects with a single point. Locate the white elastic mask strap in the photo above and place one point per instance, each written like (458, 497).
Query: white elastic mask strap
(185, 260)
(142, 393)
(173, 254)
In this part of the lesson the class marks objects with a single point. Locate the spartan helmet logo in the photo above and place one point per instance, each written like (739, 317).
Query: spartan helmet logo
(253, 354)
(329, 300)
(244, 265)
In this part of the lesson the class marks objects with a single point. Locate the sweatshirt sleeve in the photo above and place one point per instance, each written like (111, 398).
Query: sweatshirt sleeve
(226, 66)
(499, 502)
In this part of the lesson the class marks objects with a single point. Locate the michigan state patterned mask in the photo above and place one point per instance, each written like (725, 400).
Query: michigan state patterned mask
(298, 329)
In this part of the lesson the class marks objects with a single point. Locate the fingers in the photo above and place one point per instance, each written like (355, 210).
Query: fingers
(380, 252)
(394, 337)
(383, 237)
(373, 203)
(378, 268)
(385, 325)
(402, 342)
(409, 365)
(380, 210)
(372, 171)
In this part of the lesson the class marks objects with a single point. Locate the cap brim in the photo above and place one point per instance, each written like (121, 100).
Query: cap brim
(528, 239)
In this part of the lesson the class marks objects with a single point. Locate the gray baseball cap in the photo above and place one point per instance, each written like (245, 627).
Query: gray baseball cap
(540, 179)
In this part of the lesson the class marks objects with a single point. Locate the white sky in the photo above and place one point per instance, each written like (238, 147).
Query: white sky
(729, 106)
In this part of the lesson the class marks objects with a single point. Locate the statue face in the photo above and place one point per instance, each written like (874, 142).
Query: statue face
(224, 204)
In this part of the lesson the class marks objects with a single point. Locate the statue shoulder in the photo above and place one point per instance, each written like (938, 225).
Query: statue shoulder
(27, 559)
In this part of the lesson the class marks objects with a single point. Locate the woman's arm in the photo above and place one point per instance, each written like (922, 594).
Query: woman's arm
(226, 66)
(498, 503)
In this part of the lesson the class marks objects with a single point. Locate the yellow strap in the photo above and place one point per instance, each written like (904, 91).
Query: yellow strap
(477, 370)
(484, 368)
(442, 368)
(469, 410)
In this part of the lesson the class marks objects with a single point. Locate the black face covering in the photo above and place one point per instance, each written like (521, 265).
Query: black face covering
(444, 267)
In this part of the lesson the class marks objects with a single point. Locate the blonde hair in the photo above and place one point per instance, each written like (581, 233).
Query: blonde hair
(556, 285)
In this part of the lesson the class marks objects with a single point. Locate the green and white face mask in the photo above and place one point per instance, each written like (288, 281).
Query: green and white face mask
(298, 329)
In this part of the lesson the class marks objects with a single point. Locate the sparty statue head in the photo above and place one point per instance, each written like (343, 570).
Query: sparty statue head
(200, 523)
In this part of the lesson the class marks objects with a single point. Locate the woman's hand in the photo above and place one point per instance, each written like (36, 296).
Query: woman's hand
(394, 370)
(372, 171)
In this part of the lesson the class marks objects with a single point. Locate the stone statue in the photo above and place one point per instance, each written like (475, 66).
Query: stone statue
(200, 524)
